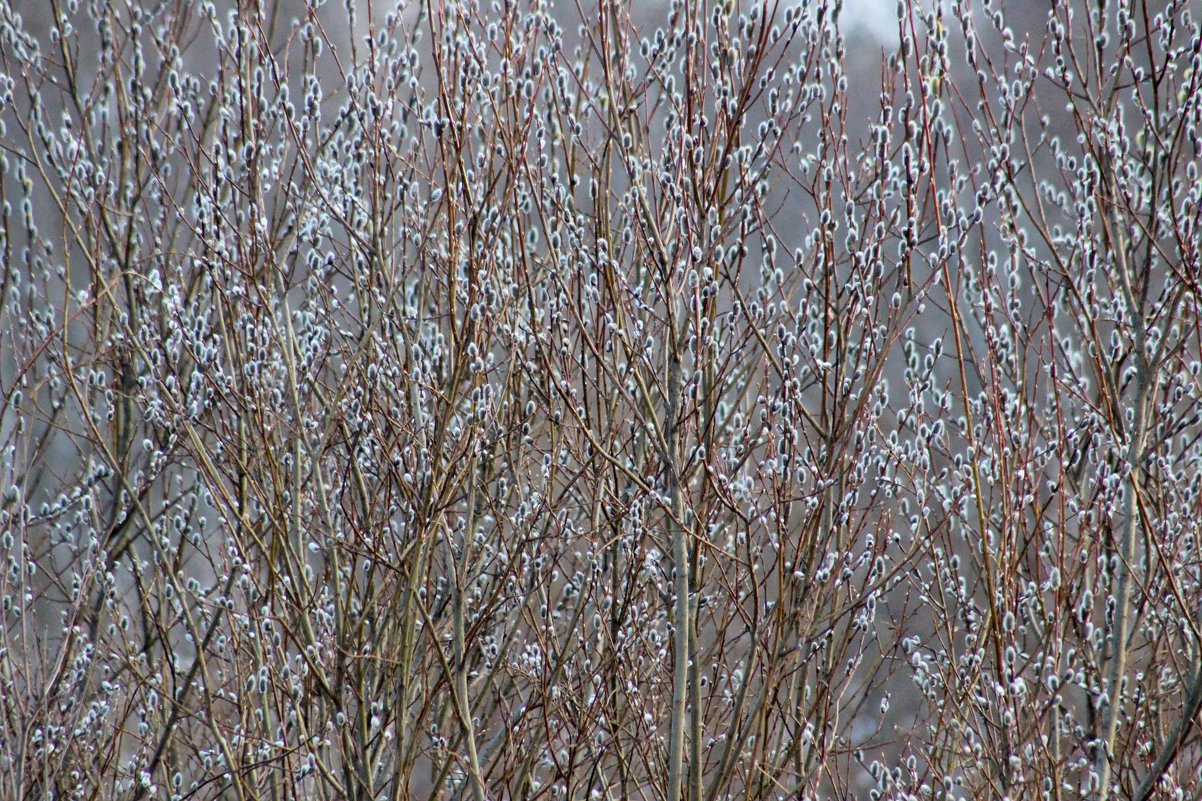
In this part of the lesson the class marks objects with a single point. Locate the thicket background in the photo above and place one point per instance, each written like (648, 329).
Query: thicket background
(610, 400)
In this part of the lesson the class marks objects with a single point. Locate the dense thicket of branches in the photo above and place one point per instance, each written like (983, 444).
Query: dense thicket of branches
(527, 400)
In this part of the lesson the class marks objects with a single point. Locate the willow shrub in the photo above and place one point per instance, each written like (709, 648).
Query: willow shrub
(529, 400)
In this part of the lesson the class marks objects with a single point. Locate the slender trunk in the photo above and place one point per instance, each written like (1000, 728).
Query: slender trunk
(459, 634)
(680, 561)
(1123, 579)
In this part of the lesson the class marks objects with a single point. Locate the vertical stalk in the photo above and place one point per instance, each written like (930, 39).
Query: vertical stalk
(680, 561)
(1134, 457)
(1122, 613)
(459, 629)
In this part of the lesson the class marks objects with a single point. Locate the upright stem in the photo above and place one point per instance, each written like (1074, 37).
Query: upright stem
(1134, 457)
(1123, 611)
(460, 625)
(680, 561)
